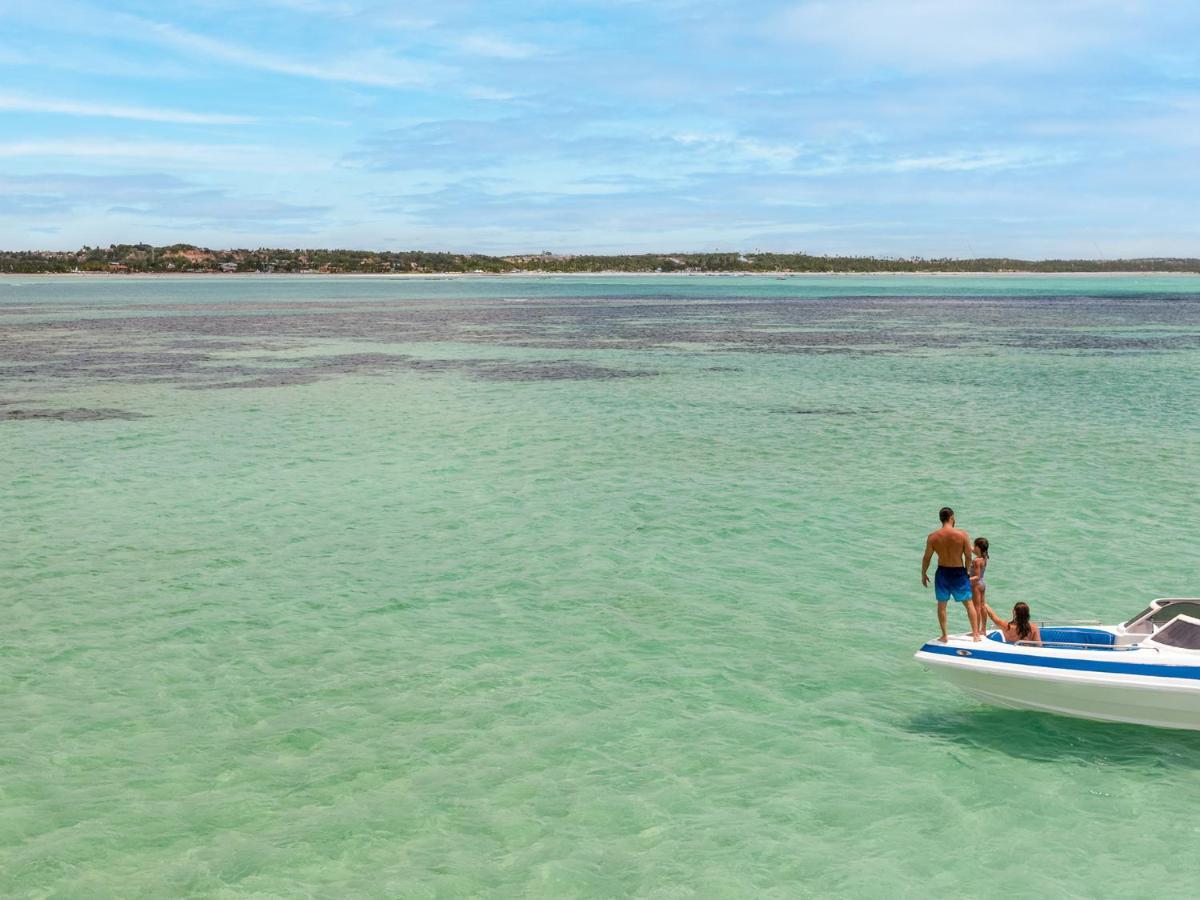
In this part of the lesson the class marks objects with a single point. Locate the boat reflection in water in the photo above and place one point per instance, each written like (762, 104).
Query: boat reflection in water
(1145, 671)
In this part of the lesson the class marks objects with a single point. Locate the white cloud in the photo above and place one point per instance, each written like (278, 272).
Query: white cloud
(374, 12)
(942, 162)
(497, 47)
(971, 161)
(371, 67)
(489, 93)
(18, 103)
(929, 34)
(232, 157)
(149, 197)
(749, 149)
(316, 7)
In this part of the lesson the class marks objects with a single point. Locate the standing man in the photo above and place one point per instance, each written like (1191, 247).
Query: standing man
(950, 582)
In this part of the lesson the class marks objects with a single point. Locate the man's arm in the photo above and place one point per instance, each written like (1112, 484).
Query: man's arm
(925, 561)
(966, 551)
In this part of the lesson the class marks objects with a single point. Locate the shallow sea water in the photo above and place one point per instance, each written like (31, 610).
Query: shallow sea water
(577, 587)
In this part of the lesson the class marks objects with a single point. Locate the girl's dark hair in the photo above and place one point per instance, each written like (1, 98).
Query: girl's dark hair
(982, 544)
(1021, 620)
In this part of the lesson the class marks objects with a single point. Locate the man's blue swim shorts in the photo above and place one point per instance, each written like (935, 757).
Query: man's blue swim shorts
(951, 583)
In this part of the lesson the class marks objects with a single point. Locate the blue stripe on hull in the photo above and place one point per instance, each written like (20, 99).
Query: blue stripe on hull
(1085, 665)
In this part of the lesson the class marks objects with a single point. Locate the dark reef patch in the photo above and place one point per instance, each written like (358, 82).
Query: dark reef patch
(68, 415)
(276, 379)
(225, 346)
(824, 411)
(183, 344)
(555, 371)
(311, 369)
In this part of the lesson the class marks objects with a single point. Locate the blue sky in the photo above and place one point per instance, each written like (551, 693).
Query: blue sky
(929, 127)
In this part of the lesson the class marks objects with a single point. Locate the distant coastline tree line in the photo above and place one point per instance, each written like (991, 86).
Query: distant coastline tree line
(184, 258)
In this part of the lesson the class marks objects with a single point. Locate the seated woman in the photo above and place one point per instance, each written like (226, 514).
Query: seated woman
(1020, 628)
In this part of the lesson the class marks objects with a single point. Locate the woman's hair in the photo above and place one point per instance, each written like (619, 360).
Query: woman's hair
(1021, 620)
(981, 545)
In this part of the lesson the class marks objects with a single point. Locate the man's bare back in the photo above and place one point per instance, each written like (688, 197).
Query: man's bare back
(952, 546)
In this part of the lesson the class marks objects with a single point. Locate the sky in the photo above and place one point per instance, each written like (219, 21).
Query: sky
(937, 128)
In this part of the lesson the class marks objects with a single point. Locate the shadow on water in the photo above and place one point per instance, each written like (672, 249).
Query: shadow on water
(1043, 737)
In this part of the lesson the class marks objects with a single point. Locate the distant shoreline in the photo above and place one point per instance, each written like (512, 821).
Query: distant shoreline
(189, 259)
(402, 276)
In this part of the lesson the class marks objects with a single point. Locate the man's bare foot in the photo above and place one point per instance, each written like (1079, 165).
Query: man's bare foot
(943, 639)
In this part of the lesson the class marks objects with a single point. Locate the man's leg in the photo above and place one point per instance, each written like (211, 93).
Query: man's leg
(973, 619)
(942, 620)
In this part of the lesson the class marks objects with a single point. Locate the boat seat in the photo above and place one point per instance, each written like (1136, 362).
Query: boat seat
(1090, 636)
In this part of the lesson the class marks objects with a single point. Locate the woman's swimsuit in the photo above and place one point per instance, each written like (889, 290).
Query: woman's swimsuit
(982, 569)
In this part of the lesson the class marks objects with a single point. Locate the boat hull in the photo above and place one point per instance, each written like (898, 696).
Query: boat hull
(1158, 701)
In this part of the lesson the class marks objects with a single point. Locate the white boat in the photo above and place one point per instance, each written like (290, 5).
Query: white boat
(1145, 671)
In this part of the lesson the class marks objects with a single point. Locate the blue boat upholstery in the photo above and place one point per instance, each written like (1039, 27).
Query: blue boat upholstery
(1091, 637)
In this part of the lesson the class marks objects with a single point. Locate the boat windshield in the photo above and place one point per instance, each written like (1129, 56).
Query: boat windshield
(1183, 633)
(1165, 612)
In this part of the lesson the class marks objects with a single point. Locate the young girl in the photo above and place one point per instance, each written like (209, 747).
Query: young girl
(1020, 628)
(978, 585)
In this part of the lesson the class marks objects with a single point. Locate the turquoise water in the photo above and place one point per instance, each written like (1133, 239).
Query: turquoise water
(577, 587)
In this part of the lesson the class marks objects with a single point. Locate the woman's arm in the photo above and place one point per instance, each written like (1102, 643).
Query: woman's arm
(1035, 636)
(991, 613)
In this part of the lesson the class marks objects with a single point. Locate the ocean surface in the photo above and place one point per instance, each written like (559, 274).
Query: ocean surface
(577, 587)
